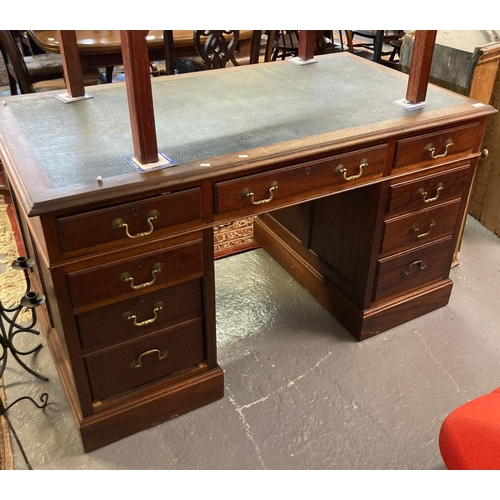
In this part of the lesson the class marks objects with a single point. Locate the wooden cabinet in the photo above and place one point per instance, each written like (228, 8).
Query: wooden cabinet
(353, 202)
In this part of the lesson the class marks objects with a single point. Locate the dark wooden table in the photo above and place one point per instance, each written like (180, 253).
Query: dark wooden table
(102, 48)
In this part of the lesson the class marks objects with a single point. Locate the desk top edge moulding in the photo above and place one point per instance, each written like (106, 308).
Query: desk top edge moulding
(357, 197)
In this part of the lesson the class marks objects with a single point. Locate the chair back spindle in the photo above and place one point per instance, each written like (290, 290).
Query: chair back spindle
(216, 47)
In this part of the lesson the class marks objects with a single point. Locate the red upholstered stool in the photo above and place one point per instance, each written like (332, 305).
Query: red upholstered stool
(469, 438)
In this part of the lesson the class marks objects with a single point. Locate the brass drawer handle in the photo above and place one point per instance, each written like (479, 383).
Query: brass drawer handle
(416, 230)
(137, 363)
(420, 263)
(246, 193)
(129, 316)
(432, 150)
(422, 193)
(119, 223)
(342, 170)
(127, 278)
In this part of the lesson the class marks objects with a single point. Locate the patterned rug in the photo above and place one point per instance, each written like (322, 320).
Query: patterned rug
(234, 237)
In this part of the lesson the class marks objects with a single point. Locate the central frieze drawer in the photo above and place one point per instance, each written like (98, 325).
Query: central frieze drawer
(131, 221)
(412, 269)
(428, 190)
(141, 315)
(270, 188)
(440, 146)
(136, 276)
(130, 365)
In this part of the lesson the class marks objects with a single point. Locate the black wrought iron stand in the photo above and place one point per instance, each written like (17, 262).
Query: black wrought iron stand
(44, 398)
(9, 328)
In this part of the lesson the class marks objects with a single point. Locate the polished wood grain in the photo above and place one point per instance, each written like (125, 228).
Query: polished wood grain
(159, 354)
(414, 268)
(139, 95)
(95, 228)
(307, 44)
(420, 69)
(414, 151)
(407, 195)
(72, 66)
(424, 225)
(180, 303)
(97, 284)
(295, 182)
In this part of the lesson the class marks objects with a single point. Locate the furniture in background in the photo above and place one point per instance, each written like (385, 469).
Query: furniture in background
(103, 48)
(29, 73)
(365, 214)
(469, 438)
(215, 49)
(285, 43)
(374, 42)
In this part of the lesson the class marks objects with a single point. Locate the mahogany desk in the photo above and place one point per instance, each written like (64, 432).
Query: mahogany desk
(361, 200)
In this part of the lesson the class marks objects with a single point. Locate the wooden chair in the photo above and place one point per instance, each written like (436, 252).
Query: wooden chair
(29, 74)
(215, 48)
(368, 41)
(285, 43)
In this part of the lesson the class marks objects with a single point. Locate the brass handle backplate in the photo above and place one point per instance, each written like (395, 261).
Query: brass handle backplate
(432, 150)
(416, 230)
(137, 363)
(342, 170)
(246, 193)
(420, 263)
(130, 316)
(119, 223)
(422, 193)
(127, 278)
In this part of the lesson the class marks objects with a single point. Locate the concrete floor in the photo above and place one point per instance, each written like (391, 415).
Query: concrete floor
(300, 392)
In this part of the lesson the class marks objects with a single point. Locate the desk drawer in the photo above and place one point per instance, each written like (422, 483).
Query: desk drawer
(412, 269)
(139, 219)
(130, 365)
(153, 311)
(424, 226)
(271, 188)
(438, 147)
(428, 190)
(134, 277)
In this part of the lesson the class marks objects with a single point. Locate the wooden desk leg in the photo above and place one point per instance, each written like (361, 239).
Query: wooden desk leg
(140, 94)
(307, 44)
(420, 69)
(72, 67)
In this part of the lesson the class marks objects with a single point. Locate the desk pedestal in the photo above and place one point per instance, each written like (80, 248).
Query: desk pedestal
(369, 264)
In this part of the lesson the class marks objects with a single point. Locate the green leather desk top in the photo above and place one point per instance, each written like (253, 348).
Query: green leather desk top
(209, 114)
